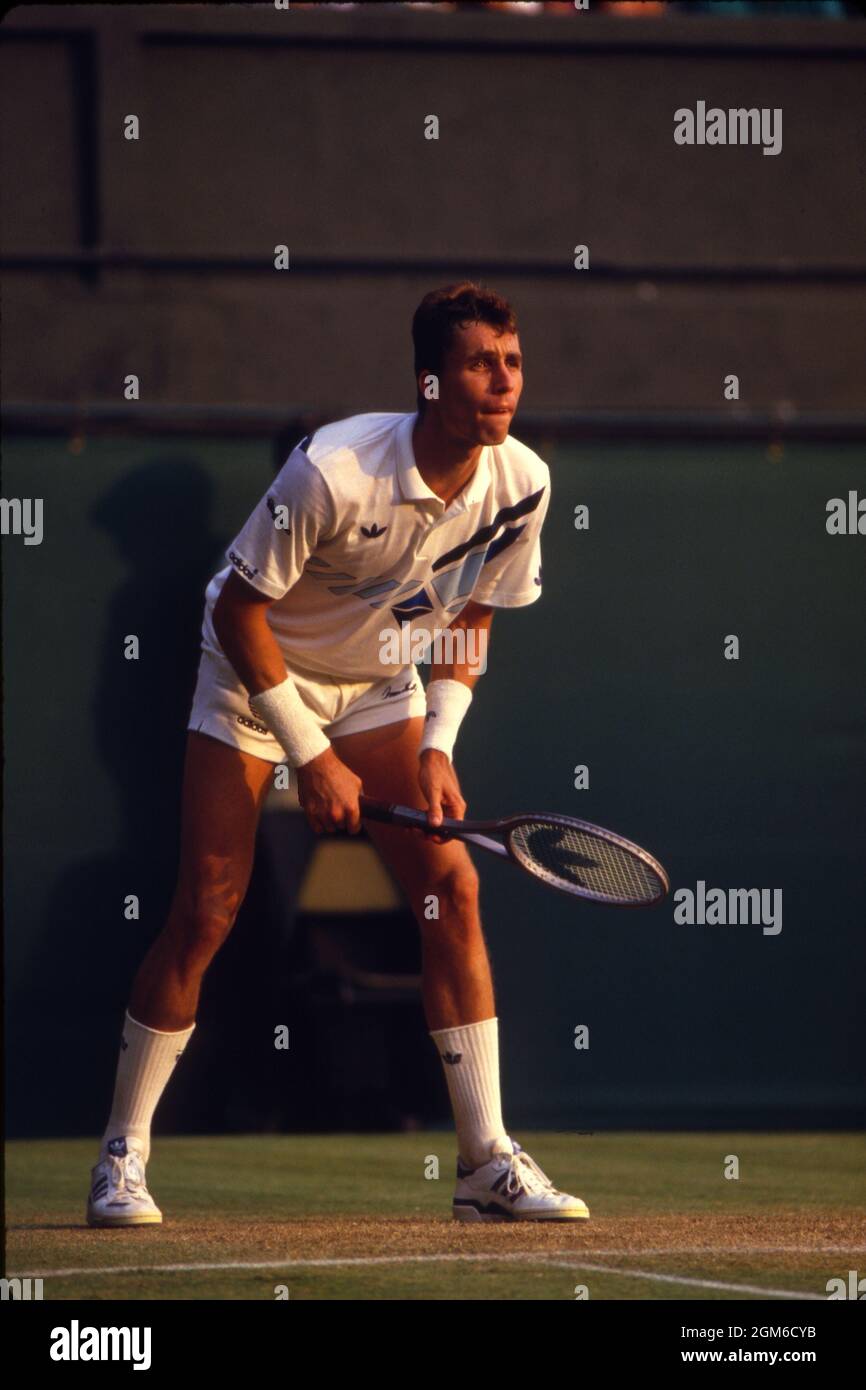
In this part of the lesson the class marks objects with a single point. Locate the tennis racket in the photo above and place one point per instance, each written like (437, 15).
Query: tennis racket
(567, 854)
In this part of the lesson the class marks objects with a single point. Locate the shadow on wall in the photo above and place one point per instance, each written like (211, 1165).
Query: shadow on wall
(61, 1073)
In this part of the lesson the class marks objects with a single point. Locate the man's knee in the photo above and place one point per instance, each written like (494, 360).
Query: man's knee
(455, 892)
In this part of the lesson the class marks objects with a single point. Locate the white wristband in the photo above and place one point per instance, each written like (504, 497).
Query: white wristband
(447, 703)
(289, 720)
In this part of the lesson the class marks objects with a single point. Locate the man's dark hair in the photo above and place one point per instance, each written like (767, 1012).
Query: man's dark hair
(441, 311)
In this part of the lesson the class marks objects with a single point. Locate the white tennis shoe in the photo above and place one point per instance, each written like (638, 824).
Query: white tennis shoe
(512, 1187)
(118, 1191)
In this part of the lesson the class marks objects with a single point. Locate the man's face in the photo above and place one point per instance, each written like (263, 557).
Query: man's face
(480, 384)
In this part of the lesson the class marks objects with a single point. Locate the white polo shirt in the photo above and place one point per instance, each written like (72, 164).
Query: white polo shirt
(350, 542)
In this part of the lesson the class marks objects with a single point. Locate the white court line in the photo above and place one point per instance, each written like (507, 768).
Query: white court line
(693, 1283)
(555, 1259)
(494, 1255)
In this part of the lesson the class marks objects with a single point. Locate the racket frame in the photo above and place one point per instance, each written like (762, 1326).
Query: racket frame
(475, 832)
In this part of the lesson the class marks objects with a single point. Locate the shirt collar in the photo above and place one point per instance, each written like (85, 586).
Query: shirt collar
(413, 487)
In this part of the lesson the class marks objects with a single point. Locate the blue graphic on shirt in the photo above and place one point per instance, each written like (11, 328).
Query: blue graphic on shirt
(450, 589)
(413, 607)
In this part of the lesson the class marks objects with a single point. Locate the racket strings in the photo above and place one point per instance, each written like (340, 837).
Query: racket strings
(585, 862)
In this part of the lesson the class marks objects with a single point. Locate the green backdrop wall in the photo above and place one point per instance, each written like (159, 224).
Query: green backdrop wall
(745, 773)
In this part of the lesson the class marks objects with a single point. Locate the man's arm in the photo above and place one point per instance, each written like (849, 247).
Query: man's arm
(475, 617)
(327, 789)
(244, 633)
(436, 775)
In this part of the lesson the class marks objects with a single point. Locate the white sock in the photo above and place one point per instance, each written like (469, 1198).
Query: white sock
(473, 1085)
(147, 1060)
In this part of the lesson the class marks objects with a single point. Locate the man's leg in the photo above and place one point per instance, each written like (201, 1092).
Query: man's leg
(223, 794)
(457, 983)
(496, 1180)
(456, 980)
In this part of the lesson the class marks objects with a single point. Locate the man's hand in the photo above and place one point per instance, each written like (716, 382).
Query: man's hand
(438, 782)
(328, 791)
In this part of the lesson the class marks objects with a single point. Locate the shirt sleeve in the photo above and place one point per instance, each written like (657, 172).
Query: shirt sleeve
(282, 531)
(510, 576)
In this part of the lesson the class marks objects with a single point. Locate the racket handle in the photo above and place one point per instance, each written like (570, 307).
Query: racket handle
(376, 810)
(400, 815)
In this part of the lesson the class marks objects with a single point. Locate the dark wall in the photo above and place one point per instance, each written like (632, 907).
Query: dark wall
(93, 743)
(261, 127)
(743, 774)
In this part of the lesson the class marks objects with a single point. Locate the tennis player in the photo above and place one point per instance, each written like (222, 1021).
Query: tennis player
(430, 519)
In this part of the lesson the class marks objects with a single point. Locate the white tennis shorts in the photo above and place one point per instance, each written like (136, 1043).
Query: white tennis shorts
(220, 705)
